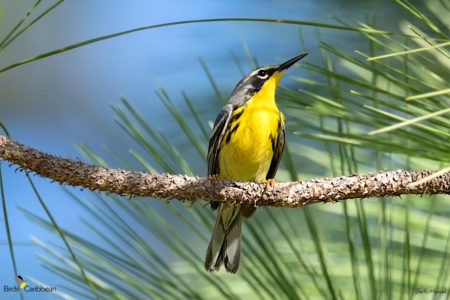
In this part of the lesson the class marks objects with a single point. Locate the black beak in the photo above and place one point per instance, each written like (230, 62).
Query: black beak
(290, 62)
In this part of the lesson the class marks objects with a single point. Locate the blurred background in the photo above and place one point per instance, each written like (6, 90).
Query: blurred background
(62, 101)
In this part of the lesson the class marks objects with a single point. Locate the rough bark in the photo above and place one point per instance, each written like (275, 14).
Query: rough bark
(191, 188)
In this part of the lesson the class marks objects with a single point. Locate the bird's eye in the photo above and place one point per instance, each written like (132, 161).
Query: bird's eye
(262, 74)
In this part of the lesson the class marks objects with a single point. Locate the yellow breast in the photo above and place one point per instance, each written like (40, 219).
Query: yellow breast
(247, 147)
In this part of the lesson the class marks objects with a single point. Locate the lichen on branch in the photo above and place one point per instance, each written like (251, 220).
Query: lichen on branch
(191, 188)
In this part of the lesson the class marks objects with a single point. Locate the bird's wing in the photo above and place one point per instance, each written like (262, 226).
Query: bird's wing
(277, 152)
(218, 132)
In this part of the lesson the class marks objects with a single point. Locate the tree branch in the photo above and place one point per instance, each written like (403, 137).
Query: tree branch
(191, 188)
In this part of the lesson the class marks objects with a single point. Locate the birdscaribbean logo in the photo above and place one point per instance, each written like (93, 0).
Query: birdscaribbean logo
(22, 286)
(20, 282)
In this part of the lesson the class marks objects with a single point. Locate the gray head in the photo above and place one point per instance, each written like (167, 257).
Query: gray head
(265, 78)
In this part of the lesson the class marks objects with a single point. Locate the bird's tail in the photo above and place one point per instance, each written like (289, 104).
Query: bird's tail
(225, 244)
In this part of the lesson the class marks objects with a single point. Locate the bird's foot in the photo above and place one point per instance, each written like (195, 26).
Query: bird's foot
(214, 178)
(269, 183)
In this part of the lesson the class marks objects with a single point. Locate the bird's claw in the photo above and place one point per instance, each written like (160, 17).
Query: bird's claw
(269, 183)
(214, 178)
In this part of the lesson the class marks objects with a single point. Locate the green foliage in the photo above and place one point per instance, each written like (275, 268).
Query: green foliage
(339, 122)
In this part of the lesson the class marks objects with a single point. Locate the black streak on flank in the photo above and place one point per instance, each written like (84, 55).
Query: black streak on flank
(273, 142)
(235, 117)
(231, 132)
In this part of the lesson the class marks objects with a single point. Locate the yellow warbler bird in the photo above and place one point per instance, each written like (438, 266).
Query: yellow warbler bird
(246, 144)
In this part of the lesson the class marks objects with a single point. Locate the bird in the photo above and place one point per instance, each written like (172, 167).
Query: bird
(20, 282)
(246, 144)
